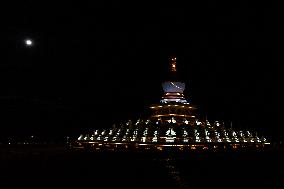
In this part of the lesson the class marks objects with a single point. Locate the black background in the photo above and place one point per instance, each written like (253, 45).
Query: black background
(94, 64)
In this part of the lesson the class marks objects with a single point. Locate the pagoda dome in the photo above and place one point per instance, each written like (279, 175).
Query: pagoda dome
(173, 87)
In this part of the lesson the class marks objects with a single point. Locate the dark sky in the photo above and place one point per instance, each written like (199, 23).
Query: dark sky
(94, 64)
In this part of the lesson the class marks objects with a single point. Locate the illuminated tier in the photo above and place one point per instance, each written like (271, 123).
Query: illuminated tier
(173, 112)
(172, 124)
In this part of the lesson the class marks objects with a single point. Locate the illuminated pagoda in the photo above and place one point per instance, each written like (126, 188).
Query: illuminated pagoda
(172, 125)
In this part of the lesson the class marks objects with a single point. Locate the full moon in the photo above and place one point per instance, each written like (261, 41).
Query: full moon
(28, 42)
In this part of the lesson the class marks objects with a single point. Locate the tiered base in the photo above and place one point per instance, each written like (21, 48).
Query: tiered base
(134, 146)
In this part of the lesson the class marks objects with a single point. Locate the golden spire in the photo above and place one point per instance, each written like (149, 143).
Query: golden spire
(173, 64)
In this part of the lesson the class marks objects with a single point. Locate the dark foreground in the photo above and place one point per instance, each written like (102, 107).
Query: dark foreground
(57, 167)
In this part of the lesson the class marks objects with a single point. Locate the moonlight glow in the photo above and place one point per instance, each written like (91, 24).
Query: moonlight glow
(28, 42)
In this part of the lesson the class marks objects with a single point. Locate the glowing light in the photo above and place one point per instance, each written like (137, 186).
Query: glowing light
(185, 133)
(28, 42)
(155, 139)
(173, 65)
(145, 133)
(176, 85)
(198, 122)
(170, 139)
(208, 123)
(173, 115)
(155, 133)
(170, 132)
(103, 133)
(110, 132)
(133, 139)
(81, 137)
(159, 148)
(197, 139)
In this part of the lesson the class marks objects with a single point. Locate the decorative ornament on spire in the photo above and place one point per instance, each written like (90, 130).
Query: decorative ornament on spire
(173, 64)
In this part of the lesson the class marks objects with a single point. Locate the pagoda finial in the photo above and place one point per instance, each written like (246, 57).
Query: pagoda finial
(173, 64)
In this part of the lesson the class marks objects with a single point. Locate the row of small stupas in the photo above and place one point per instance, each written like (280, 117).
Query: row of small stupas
(172, 124)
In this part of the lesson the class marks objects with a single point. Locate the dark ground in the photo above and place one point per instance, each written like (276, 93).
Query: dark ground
(58, 167)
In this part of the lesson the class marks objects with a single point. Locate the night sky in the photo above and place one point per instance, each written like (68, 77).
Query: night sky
(94, 64)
